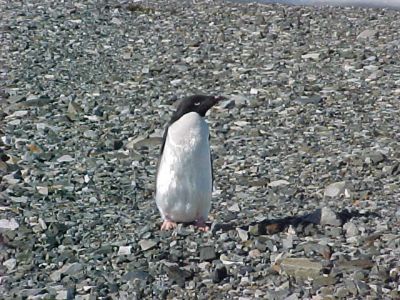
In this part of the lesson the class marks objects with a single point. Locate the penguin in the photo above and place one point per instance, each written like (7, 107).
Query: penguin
(184, 179)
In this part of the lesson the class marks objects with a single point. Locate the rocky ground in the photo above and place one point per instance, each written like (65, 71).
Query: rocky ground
(306, 150)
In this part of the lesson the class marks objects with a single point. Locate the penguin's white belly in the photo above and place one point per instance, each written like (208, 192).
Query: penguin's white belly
(184, 180)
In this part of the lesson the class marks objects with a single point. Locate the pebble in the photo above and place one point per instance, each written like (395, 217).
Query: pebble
(329, 217)
(219, 274)
(10, 264)
(65, 158)
(124, 250)
(367, 34)
(243, 235)
(81, 135)
(335, 189)
(8, 224)
(207, 253)
(278, 183)
(147, 244)
(301, 267)
(351, 229)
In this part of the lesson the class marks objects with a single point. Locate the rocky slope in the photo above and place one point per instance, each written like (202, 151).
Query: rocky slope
(306, 150)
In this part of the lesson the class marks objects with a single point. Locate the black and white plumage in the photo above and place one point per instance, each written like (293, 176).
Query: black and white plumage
(184, 175)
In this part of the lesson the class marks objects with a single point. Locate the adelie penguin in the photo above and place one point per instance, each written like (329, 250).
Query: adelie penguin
(184, 176)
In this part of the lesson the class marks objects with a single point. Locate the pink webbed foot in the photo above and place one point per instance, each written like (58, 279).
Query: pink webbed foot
(201, 225)
(168, 225)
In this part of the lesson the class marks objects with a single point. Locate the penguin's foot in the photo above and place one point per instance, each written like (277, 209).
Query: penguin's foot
(168, 225)
(201, 225)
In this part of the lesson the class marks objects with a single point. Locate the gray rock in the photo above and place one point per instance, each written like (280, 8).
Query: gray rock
(243, 234)
(335, 189)
(234, 208)
(278, 183)
(68, 269)
(65, 158)
(374, 157)
(367, 34)
(177, 275)
(8, 224)
(302, 268)
(239, 100)
(227, 104)
(124, 250)
(207, 253)
(308, 100)
(67, 294)
(219, 274)
(10, 264)
(351, 229)
(147, 244)
(313, 55)
(30, 292)
(132, 275)
(329, 217)
(73, 111)
(287, 243)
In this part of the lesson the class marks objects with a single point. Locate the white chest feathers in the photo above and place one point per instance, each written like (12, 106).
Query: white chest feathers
(184, 180)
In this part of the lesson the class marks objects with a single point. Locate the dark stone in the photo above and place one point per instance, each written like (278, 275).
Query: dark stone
(219, 274)
(310, 100)
(178, 275)
(118, 144)
(207, 253)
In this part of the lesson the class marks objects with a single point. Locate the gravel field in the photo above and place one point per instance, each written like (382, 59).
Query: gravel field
(306, 150)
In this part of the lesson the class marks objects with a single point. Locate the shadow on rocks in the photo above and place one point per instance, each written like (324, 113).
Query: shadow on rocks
(324, 216)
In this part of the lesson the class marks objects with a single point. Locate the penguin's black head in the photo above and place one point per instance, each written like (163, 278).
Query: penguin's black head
(196, 103)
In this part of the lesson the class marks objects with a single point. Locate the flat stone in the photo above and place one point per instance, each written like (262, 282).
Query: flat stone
(278, 183)
(240, 100)
(335, 189)
(73, 111)
(144, 141)
(10, 264)
(8, 224)
(68, 269)
(65, 158)
(308, 100)
(132, 275)
(367, 34)
(254, 253)
(355, 264)
(329, 217)
(313, 55)
(29, 292)
(43, 190)
(124, 250)
(177, 275)
(234, 208)
(287, 243)
(67, 294)
(351, 229)
(207, 253)
(374, 157)
(253, 91)
(147, 244)
(227, 104)
(243, 234)
(301, 267)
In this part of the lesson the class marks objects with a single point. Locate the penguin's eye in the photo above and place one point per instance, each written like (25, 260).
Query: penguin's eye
(197, 103)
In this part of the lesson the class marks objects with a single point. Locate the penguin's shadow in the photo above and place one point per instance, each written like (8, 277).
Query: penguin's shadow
(272, 226)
